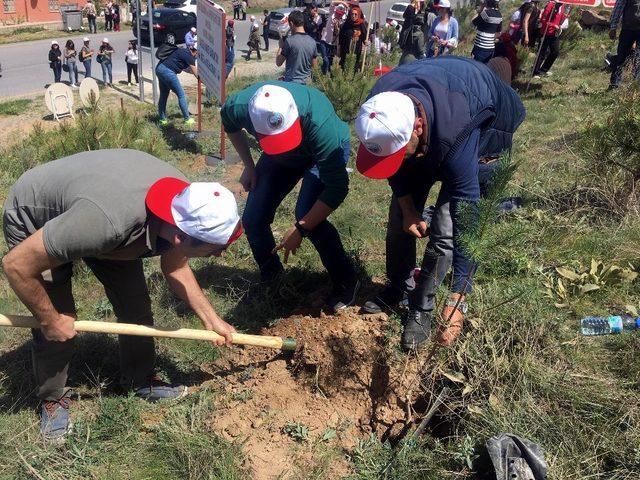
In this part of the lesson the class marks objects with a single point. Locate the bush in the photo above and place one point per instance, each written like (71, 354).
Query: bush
(346, 88)
(108, 129)
(612, 151)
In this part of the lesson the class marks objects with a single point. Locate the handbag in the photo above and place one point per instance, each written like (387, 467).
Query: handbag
(65, 66)
(100, 58)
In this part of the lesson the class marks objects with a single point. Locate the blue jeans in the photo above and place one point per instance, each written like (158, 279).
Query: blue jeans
(87, 68)
(169, 81)
(229, 58)
(73, 72)
(275, 181)
(92, 23)
(106, 69)
(482, 54)
(326, 52)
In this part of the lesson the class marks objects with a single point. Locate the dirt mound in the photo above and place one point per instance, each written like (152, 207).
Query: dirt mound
(343, 383)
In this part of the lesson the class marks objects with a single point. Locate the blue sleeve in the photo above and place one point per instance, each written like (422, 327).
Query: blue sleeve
(461, 176)
(454, 28)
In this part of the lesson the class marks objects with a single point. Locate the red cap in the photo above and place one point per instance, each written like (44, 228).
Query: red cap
(374, 166)
(161, 194)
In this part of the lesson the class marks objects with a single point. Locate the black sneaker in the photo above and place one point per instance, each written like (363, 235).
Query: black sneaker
(158, 390)
(343, 296)
(417, 328)
(387, 299)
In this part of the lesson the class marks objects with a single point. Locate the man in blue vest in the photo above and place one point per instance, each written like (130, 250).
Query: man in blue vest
(428, 121)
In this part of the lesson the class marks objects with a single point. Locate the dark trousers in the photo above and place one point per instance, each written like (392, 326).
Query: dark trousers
(57, 71)
(236, 13)
(438, 256)
(126, 289)
(91, 19)
(625, 49)
(132, 68)
(265, 37)
(326, 52)
(275, 181)
(482, 55)
(548, 54)
(229, 58)
(108, 22)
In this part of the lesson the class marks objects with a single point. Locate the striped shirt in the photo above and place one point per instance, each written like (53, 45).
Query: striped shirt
(488, 23)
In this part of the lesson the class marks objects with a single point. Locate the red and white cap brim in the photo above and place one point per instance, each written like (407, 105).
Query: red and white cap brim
(282, 142)
(160, 196)
(377, 167)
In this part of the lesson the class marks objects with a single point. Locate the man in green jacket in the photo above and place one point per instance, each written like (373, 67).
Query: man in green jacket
(301, 138)
(109, 208)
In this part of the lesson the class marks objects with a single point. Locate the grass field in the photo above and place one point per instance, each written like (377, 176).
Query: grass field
(520, 366)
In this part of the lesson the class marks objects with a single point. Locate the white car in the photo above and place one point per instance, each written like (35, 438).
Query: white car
(396, 12)
(190, 6)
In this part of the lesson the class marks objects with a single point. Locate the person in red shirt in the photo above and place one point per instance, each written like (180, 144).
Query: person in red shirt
(553, 20)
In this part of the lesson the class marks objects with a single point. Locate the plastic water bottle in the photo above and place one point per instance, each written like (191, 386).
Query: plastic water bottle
(609, 325)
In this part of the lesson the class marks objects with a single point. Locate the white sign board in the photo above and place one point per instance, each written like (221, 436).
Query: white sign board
(211, 47)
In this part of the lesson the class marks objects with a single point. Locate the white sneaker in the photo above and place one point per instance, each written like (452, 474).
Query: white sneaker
(536, 77)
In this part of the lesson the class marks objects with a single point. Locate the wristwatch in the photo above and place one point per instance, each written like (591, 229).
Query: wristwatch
(462, 306)
(303, 232)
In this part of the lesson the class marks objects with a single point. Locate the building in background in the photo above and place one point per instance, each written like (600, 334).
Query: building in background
(21, 11)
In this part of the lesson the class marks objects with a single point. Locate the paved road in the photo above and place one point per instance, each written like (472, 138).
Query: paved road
(25, 68)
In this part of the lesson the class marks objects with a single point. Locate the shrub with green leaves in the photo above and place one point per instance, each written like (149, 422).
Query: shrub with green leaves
(346, 88)
(107, 129)
(612, 150)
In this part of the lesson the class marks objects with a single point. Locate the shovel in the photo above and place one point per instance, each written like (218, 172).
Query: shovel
(277, 343)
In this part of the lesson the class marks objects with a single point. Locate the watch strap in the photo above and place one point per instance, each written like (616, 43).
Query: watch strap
(303, 232)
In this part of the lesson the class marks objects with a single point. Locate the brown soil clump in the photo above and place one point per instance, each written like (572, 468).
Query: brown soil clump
(343, 379)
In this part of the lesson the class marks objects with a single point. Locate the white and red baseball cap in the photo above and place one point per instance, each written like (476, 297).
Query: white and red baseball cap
(384, 126)
(206, 211)
(275, 118)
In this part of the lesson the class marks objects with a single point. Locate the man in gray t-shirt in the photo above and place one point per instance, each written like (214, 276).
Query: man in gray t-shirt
(299, 51)
(109, 208)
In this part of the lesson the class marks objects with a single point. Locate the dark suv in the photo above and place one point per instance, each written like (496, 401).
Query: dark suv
(169, 26)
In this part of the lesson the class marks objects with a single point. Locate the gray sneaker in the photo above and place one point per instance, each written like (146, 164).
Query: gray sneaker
(158, 390)
(417, 328)
(54, 420)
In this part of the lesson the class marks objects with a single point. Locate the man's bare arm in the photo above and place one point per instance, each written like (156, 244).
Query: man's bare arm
(183, 283)
(23, 266)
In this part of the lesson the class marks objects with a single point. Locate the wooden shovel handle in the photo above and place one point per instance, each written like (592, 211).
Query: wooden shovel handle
(278, 343)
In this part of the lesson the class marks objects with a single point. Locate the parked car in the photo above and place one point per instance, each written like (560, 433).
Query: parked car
(396, 12)
(169, 26)
(190, 6)
(279, 20)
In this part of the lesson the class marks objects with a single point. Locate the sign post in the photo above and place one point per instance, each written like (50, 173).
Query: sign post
(211, 56)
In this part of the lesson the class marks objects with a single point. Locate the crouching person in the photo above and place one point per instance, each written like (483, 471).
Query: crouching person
(429, 121)
(301, 138)
(111, 209)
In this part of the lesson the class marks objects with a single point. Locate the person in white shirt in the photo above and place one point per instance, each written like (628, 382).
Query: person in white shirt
(131, 57)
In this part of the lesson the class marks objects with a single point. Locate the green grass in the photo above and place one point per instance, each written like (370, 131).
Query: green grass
(14, 107)
(521, 365)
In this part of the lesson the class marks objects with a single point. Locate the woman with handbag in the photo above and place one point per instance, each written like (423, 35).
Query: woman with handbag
(70, 59)
(86, 54)
(104, 59)
(443, 35)
(55, 63)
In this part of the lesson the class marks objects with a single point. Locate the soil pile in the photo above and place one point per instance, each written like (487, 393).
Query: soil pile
(342, 384)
